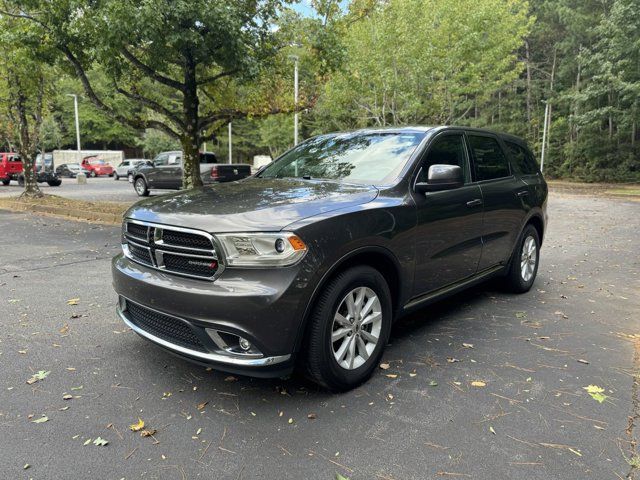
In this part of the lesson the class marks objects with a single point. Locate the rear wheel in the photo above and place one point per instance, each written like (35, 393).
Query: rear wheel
(524, 261)
(349, 328)
(55, 183)
(116, 176)
(93, 174)
(6, 181)
(141, 187)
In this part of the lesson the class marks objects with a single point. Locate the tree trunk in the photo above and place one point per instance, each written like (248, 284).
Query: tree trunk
(26, 148)
(190, 138)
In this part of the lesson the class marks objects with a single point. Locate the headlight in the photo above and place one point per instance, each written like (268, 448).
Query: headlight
(262, 249)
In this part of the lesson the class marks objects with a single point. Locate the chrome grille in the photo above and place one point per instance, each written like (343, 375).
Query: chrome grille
(171, 249)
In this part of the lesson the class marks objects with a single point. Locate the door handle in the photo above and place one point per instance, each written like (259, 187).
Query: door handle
(523, 193)
(474, 203)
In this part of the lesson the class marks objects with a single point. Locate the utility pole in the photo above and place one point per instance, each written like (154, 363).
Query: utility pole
(75, 107)
(295, 59)
(230, 156)
(544, 135)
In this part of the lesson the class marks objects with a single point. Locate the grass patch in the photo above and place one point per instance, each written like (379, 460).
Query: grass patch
(634, 192)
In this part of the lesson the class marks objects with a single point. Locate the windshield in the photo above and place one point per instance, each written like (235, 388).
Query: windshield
(355, 157)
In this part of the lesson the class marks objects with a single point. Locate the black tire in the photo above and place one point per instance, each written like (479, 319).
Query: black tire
(55, 183)
(93, 174)
(515, 280)
(140, 186)
(321, 364)
(130, 177)
(111, 175)
(6, 181)
(116, 176)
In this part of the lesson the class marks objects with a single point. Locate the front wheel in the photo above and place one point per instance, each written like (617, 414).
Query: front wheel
(116, 176)
(141, 187)
(349, 328)
(130, 178)
(524, 262)
(93, 174)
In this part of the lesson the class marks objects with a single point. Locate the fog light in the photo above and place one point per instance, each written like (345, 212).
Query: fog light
(244, 344)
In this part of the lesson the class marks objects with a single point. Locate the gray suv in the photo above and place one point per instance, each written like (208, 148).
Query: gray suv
(310, 261)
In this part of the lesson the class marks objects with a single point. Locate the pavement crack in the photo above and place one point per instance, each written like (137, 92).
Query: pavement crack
(46, 267)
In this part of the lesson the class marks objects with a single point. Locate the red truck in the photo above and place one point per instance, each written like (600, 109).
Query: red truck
(11, 169)
(96, 166)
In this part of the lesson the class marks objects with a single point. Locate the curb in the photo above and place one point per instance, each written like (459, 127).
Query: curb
(72, 213)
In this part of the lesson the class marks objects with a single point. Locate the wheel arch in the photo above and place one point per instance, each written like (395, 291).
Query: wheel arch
(538, 224)
(376, 257)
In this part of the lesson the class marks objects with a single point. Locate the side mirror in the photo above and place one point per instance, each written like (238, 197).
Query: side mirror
(441, 177)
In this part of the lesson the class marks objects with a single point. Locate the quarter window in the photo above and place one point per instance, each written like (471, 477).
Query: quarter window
(447, 150)
(523, 161)
(489, 159)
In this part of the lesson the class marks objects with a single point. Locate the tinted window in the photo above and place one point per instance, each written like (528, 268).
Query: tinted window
(523, 161)
(447, 150)
(208, 158)
(354, 157)
(489, 159)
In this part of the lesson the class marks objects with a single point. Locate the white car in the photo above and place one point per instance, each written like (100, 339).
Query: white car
(126, 165)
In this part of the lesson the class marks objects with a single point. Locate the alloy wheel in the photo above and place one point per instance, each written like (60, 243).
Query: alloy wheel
(528, 258)
(356, 328)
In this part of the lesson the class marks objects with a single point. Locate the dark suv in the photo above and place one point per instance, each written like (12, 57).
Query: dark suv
(310, 261)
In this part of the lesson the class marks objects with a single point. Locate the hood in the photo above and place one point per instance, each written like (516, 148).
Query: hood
(252, 204)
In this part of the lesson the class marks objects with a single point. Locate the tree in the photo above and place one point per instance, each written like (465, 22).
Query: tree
(189, 65)
(424, 61)
(23, 93)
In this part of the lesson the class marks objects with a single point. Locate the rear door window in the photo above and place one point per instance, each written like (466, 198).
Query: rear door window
(522, 160)
(489, 160)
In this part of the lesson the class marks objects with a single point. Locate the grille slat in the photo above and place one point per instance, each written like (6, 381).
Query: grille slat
(174, 251)
(164, 326)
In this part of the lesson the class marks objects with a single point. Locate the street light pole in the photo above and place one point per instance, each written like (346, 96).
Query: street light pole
(75, 107)
(295, 59)
(230, 156)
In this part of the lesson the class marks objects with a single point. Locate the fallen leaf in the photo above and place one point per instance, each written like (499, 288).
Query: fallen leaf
(413, 374)
(478, 383)
(63, 409)
(312, 416)
(596, 393)
(341, 477)
(290, 421)
(521, 314)
(42, 419)
(73, 301)
(384, 366)
(136, 427)
(452, 360)
(22, 352)
(26, 465)
(230, 378)
(67, 396)
(467, 345)
(392, 375)
(586, 362)
(100, 442)
(148, 433)
(432, 383)
(41, 375)
(200, 406)
(65, 329)
(492, 430)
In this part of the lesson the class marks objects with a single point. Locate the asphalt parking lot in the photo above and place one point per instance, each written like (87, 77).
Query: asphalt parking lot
(486, 385)
(96, 189)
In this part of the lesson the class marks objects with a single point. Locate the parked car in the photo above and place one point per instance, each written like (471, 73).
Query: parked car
(122, 170)
(311, 261)
(96, 166)
(133, 169)
(71, 170)
(166, 172)
(11, 168)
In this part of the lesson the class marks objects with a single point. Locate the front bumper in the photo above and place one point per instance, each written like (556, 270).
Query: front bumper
(264, 306)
